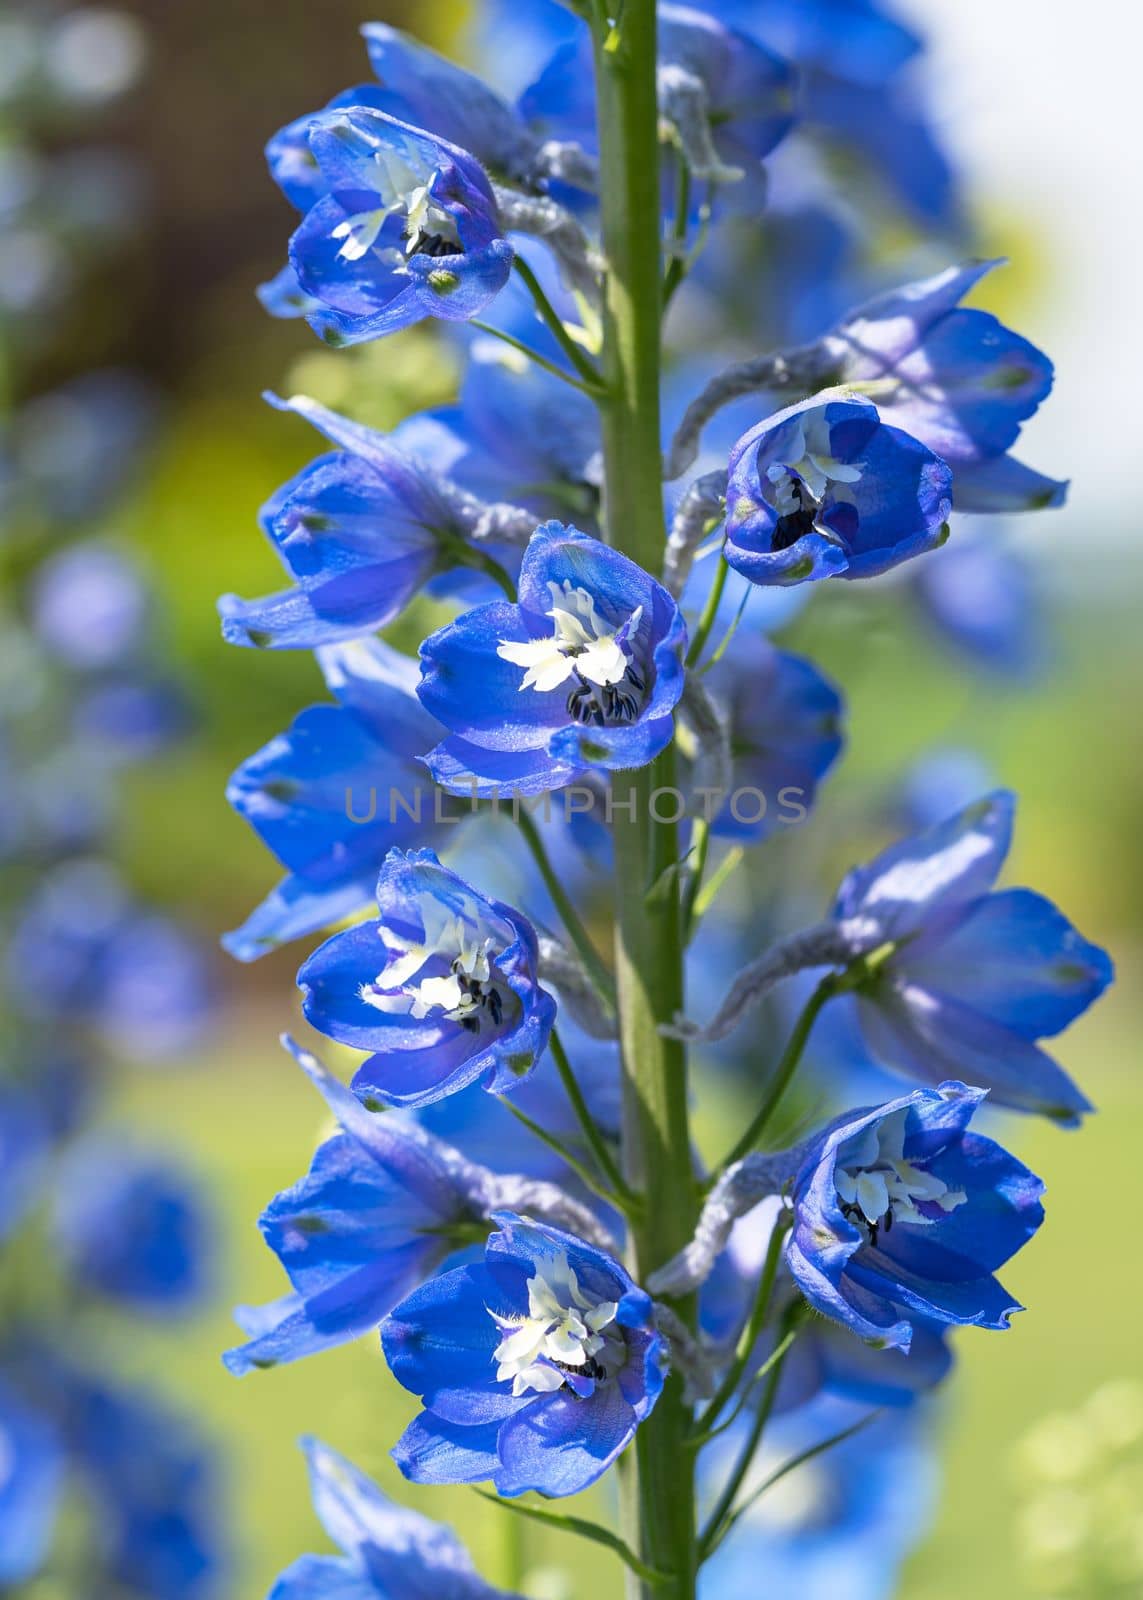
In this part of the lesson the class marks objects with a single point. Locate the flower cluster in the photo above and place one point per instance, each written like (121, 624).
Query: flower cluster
(511, 1196)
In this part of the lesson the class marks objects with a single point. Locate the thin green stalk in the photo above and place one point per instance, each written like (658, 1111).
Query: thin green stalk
(582, 1171)
(752, 1331)
(709, 613)
(700, 846)
(579, 1526)
(712, 1532)
(468, 555)
(586, 368)
(834, 983)
(677, 265)
(777, 1354)
(597, 1143)
(534, 355)
(710, 890)
(657, 1487)
(601, 979)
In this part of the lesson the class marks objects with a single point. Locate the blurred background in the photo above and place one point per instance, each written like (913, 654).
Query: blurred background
(1041, 118)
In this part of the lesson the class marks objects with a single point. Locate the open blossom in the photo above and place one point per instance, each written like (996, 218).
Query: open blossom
(388, 1552)
(535, 1366)
(406, 228)
(584, 671)
(442, 987)
(902, 1215)
(976, 976)
(826, 489)
(957, 379)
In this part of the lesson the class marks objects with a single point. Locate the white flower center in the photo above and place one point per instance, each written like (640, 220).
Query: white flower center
(800, 483)
(878, 1187)
(582, 648)
(403, 184)
(467, 992)
(563, 1336)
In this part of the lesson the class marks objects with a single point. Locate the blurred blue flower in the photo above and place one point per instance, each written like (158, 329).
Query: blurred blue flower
(442, 988)
(389, 1553)
(826, 488)
(131, 1226)
(31, 1474)
(334, 792)
(535, 1366)
(90, 606)
(981, 600)
(902, 1215)
(975, 976)
(957, 379)
(840, 1525)
(585, 671)
(407, 229)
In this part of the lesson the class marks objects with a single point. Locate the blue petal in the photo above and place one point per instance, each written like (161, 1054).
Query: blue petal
(1005, 484)
(295, 908)
(560, 1444)
(322, 1578)
(434, 1451)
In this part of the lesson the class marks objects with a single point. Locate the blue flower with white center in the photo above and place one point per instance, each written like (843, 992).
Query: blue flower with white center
(389, 1553)
(826, 489)
(31, 1473)
(535, 1366)
(784, 725)
(957, 379)
(726, 100)
(583, 672)
(974, 976)
(343, 785)
(408, 229)
(442, 988)
(130, 1226)
(840, 1524)
(902, 1215)
(360, 531)
(383, 1205)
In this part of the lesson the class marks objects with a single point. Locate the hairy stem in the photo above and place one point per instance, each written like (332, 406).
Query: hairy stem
(658, 1488)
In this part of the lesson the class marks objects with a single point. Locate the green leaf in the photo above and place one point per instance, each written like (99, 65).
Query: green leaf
(585, 1530)
(659, 894)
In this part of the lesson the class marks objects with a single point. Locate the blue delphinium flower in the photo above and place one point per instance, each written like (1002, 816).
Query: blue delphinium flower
(382, 1206)
(825, 489)
(839, 1525)
(784, 724)
(902, 1215)
(360, 531)
(332, 794)
(442, 987)
(131, 1227)
(727, 99)
(982, 600)
(957, 379)
(408, 229)
(853, 38)
(389, 1553)
(584, 671)
(91, 607)
(975, 976)
(31, 1481)
(535, 1366)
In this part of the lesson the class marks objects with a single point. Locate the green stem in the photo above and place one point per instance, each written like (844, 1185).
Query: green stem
(534, 355)
(834, 983)
(582, 1171)
(657, 1488)
(601, 980)
(677, 265)
(586, 368)
(709, 613)
(597, 1143)
(709, 892)
(700, 845)
(751, 1332)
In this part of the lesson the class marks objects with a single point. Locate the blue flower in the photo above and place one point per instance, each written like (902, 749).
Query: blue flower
(332, 794)
(974, 977)
(584, 671)
(957, 379)
(131, 1227)
(360, 531)
(535, 1366)
(901, 1215)
(382, 1206)
(442, 987)
(407, 229)
(853, 38)
(31, 1471)
(783, 721)
(982, 600)
(840, 1525)
(728, 100)
(91, 607)
(826, 489)
(389, 1553)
